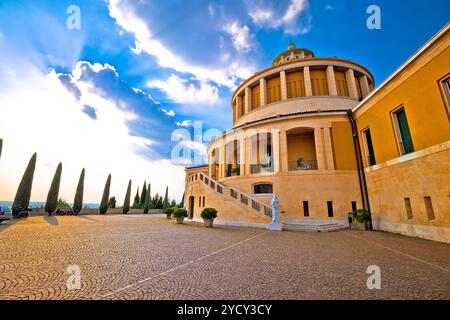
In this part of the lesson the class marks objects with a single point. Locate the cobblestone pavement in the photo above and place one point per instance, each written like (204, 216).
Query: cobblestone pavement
(150, 257)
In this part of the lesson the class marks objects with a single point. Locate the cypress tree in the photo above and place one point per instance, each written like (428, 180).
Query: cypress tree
(78, 200)
(126, 203)
(181, 205)
(23, 194)
(105, 198)
(143, 194)
(53, 193)
(1, 147)
(165, 203)
(148, 199)
(136, 200)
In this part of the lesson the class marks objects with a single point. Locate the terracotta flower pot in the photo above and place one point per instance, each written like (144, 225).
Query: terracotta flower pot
(169, 216)
(208, 222)
(180, 220)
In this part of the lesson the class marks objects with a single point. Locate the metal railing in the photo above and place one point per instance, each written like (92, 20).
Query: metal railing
(243, 198)
(258, 168)
(303, 165)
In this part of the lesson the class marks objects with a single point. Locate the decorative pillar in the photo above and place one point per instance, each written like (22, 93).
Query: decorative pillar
(248, 155)
(263, 92)
(242, 156)
(307, 80)
(238, 107)
(331, 79)
(364, 83)
(276, 150)
(248, 99)
(328, 149)
(284, 152)
(222, 159)
(351, 84)
(319, 143)
(283, 85)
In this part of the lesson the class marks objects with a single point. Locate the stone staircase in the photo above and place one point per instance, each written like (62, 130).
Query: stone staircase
(307, 226)
(240, 198)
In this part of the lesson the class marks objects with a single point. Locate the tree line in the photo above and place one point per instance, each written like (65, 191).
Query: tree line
(142, 200)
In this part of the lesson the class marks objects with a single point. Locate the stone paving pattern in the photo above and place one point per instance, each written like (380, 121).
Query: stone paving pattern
(150, 257)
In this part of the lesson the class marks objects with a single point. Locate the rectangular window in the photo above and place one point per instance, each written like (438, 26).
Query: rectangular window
(306, 208)
(354, 206)
(408, 208)
(330, 209)
(204, 200)
(368, 148)
(199, 201)
(429, 208)
(445, 89)
(402, 130)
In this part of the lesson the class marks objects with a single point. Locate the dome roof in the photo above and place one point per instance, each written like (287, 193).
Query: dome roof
(293, 53)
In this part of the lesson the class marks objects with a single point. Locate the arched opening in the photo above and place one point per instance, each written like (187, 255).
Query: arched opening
(301, 149)
(214, 164)
(261, 153)
(263, 189)
(232, 158)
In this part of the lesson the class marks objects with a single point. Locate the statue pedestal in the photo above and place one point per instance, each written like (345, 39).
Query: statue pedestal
(275, 226)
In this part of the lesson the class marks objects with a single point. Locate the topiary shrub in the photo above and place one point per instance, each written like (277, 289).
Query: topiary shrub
(209, 213)
(169, 212)
(179, 213)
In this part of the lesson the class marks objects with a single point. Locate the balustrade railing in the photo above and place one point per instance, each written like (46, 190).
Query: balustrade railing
(243, 198)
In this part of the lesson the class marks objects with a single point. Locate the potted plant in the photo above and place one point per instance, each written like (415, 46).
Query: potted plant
(362, 218)
(180, 214)
(208, 215)
(168, 212)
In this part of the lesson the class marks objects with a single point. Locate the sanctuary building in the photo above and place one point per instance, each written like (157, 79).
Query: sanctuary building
(316, 133)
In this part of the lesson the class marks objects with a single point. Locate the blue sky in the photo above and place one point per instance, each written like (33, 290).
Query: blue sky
(138, 70)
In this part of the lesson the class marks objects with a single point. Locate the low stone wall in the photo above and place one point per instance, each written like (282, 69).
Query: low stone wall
(41, 211)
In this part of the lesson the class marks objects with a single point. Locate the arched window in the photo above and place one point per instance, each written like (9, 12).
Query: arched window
(263, 188)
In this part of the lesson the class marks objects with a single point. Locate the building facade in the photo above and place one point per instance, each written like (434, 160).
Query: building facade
(315, 133)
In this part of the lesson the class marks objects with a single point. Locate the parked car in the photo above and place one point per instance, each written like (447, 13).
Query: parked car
(5, 213)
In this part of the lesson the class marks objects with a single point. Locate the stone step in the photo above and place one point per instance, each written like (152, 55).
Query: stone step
(305, 227)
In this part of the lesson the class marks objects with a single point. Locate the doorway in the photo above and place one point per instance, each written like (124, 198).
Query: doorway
(191, 207)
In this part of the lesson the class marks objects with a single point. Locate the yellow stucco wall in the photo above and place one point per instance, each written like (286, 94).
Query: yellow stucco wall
(423, 173)
(344, 150)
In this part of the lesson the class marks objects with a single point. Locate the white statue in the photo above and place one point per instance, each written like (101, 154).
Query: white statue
(275, 225)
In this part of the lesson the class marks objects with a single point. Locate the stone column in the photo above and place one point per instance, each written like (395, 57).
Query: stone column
(284, 152)
(222, 159)
(248, 156)
(351, 84)
(307, 80)
(276, 150)
(238, 107)
(248, 100)
(318, 139)
(283, 85)
(364, 83)
(263, 92)
(331, 79)
(328, 150)
(242, 155)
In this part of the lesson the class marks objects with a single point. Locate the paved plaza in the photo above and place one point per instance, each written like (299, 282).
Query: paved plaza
(150, 257)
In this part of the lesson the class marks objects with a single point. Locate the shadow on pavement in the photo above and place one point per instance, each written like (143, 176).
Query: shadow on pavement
(6, 224)
(87, 218)
(52, 220)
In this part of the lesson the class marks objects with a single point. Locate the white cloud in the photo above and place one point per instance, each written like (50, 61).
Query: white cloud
(53, 125)
(288, 20)
(182, 91)
(240, 36)
(145, 42)
(329, 7)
